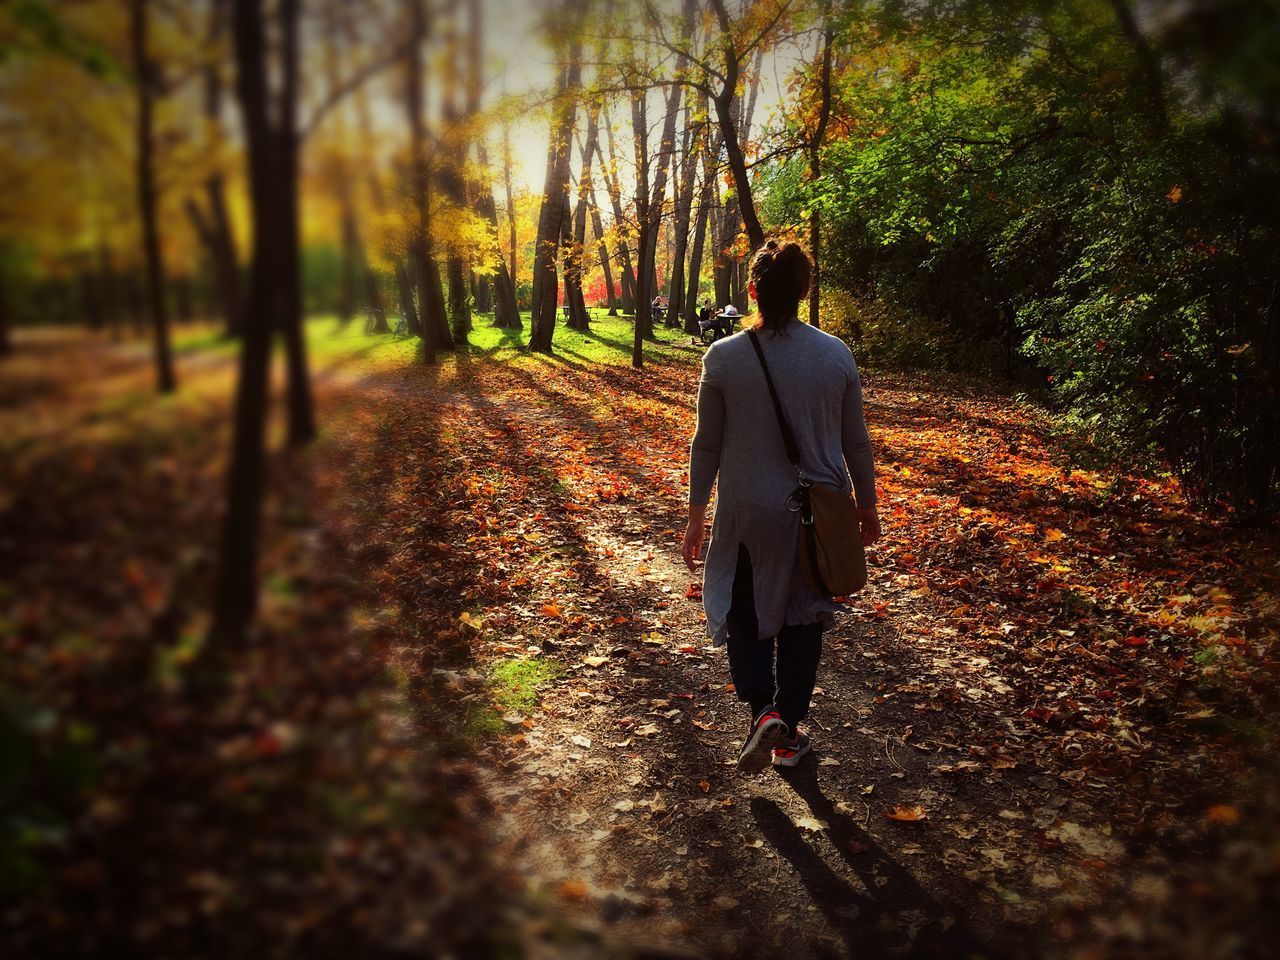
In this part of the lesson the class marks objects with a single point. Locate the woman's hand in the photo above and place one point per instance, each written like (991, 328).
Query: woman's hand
(869, 521)
(694, 534)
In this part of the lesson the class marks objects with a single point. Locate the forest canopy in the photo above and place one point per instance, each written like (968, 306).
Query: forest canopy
(1080, 195)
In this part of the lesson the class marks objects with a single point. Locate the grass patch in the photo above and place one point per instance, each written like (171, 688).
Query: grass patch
(608, 342)
(515, 683)
(483, 722)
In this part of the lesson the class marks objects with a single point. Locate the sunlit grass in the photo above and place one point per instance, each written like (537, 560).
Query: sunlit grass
(515, 683)
(607, 342)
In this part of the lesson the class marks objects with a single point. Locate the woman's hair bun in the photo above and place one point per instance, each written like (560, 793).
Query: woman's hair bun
(780, 272)
(791, 253)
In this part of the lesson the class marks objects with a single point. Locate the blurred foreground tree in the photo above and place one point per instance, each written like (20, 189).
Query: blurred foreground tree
(146, 82)
(267, 144)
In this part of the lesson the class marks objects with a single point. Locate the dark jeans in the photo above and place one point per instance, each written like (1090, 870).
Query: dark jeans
(789, 686)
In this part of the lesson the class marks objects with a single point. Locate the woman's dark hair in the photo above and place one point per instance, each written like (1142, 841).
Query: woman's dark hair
(780, 273)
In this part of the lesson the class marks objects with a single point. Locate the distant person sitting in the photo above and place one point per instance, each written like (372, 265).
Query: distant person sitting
(704, 313)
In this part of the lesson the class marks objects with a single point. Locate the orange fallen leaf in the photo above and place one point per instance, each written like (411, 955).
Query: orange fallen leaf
(906, 814)
(573, 890)
(1223, 814)
(551, 610)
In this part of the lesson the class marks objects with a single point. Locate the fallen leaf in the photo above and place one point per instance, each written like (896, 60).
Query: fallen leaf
(1223, 814)
(809, 823)
(906, 814)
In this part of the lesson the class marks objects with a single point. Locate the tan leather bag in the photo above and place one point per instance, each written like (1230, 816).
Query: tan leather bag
(832, 558)
(830, 549)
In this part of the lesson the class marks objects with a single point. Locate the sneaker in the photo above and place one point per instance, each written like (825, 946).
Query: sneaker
(766, 732)
(789, 751)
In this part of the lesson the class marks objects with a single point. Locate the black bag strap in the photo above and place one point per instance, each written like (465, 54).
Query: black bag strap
(788, 438)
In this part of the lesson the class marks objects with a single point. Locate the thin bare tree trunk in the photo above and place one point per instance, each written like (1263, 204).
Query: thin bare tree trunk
(404, 284)
(815, 162)
(453, 186)
(706, 198)
(684, 206)
(145, 79)
(614, 189)
(598, 226)
(511, 207)
(505, 313)
(431, 319)
(728, 120)
(575, 260)
(640, 137)
(301, 410)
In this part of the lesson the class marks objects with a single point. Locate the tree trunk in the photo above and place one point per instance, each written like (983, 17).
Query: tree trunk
(459, 300)
(728, 120)
(644, 263)
(301, 411)
(684, 205)
(145, 79)
(453, 188)
(598, 226)
(374, 291)
(614, 189)
(350, 253)
(377, 306)
(511, 207)
(554, 197)
(430, 294)
(653, 211)
(236, 596)
(710, 150)
(222, 242)
(215, 234)
(506, 315)
(575, 262)
(722, 229)
(815, 162)
(405, 285)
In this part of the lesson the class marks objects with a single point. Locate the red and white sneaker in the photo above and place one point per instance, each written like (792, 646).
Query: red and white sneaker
(789, 751)
(766, 732)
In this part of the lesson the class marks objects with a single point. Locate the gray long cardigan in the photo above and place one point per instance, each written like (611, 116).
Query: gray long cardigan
(737, 437)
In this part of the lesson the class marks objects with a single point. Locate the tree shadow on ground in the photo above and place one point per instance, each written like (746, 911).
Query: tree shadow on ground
(889, 912)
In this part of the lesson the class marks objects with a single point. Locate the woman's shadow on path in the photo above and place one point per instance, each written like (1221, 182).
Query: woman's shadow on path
(892, 915)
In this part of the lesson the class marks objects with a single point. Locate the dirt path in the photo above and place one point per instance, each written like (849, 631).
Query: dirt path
(1007, 759)
(1044, 730)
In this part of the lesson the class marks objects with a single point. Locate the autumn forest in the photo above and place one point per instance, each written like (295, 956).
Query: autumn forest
(349, 352)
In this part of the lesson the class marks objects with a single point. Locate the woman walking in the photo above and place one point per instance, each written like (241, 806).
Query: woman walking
(754, 593)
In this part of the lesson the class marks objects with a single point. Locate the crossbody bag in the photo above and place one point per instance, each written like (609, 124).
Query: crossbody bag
(829, 547)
